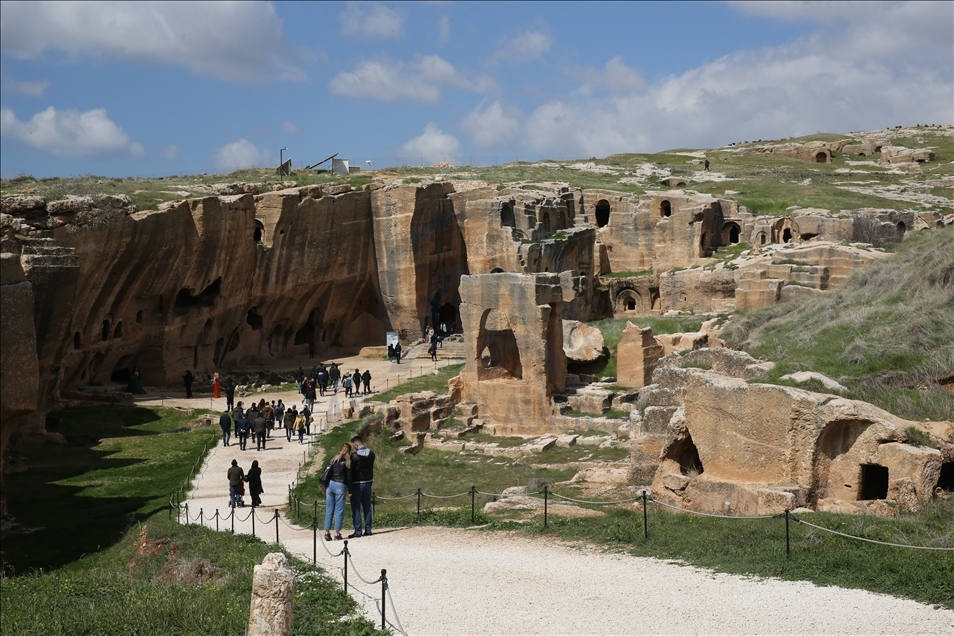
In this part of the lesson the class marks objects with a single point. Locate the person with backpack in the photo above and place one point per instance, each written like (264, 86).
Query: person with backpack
(300, 426)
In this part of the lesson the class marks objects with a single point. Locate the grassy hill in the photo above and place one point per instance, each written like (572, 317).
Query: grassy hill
(887, 334)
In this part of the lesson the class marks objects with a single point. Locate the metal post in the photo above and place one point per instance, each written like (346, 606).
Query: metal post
(645, 523)
(788, 549)
(314, 541)
(384, 589)
(546, 491)
(201, 518)
(252, 515)
(316, 509)
(232, 515)
(473, 491)
(276, 526)
(345, 553)
(216, 519)
(187, 513)
(418, 502)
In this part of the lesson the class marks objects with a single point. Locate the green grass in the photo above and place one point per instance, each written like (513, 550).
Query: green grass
(119, 467)
(642, 272)
(187, 580)
(885, 334)
(436, 382)
(612, 330)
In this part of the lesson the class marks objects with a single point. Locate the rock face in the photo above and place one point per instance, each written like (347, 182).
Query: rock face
(636, 356)
(582, 343)
(513, 334)
(273, 597)
(738, 448)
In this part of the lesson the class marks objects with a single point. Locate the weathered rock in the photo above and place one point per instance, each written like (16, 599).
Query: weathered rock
(273, 597)
(805, 376)
(636, 356)
(582, 343)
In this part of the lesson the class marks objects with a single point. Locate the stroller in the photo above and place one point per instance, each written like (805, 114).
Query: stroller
(241, 498)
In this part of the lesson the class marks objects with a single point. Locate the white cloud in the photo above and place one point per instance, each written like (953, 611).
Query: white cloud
(169, 152)
(241, 154)
(371, 20)
(418, 81)
(290, 129)
(69, 133)
(34, 88)
(433, 145)
(492, 126)
(232, 41)
(526, 47)
(881, 65)
(444, 29)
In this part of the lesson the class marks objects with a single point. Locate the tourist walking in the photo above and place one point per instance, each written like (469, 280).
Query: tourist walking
(432, 351)
(366, 378)
(299, 377)
(230, 394)
(254, 479)
(187, 380)
(397, 352)
(225, 423)
(362, 476)
(334, 374)
(356, 378)
(289, 421)
(339, 478)
(242, 427)
(322, 380)
(348, 383)
(300, 426)
(260, 428)
(235, 475)
(310, 395)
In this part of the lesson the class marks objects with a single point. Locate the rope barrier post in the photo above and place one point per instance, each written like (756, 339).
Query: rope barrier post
(316, 509)
(252, 515)
(187, 513)
(232, 515)
(216, 519)
(645, 522)
(788, 548)
(345, 553)
(276, 527)
(418, 502)
(314, 541)
(374, 501)
(473, 492)
(201, 518)
(546, 491)
(384, 590)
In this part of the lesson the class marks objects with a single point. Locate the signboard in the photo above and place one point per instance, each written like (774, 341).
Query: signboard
(392, 338)
(341, 166)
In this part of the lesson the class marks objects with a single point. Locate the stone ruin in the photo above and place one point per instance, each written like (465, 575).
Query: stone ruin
(91, 287)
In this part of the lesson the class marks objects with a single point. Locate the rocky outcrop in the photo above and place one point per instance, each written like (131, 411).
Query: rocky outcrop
(582, 343)
(273, 597)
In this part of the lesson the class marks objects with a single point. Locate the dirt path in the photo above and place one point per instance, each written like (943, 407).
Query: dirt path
(447, 581)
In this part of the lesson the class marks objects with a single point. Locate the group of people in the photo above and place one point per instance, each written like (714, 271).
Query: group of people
(320, 380)
(261, 419)
(237, 480)
(350, 470)
(394, 352)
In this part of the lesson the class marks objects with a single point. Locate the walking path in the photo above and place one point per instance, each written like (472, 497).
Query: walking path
(451, 581)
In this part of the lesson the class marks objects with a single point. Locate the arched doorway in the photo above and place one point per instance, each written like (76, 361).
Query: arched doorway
(545, 222)
(506, 215)
(602, 213)
(665, 209)
(821, 157)
(259, 235)
(731, 233)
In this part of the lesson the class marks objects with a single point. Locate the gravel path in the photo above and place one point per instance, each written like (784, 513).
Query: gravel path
(447, 581)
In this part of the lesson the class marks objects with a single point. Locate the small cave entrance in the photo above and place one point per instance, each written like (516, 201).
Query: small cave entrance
(499, 355)
(122, 372)
(731, 232)
(186, 301)
(685, 453)
(602, 213)
(497, 270)
(77, 340)
(254, 319)
(118, 331)
(139, 316)
(447, 317)
(762, 238)
(506, 215)
(665, 209)
(821, 157)
(902, 228)
(874, 482)
(306, 335)
(627, 300)
(946, 480)
(545, 222)
(258, 235)
(106, 330)
(787, 235)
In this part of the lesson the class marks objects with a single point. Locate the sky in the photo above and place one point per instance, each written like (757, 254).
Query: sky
(171, 88)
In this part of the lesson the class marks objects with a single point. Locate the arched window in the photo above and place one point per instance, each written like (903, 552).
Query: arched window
(545, 222)
(665, 209)
(259, 235)
(105, 330)
(506, 215)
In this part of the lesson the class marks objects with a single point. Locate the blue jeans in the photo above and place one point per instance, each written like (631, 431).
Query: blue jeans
(334, 505)
(361, 501)
(234, 496)
(226, 436)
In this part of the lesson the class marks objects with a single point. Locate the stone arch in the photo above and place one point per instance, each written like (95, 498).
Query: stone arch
(497, 270)
(902, 228)
(731, 233)
(862, 154)
(762, 239)
(665, 208)
(258, 234)
(822, 157)
(545, 222)
(602, 213)
(498, 356)
(628, 300)
(785, 230)
(507, 218)
(118, 331)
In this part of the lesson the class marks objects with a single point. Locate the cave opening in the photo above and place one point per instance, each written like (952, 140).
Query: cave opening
(602, 213)
(206, 298)
(874, 482)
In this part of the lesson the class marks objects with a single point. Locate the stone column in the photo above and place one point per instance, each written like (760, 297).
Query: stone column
(273, 597)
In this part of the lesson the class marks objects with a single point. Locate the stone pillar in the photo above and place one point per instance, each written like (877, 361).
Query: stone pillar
(636, 357)
(273, 597)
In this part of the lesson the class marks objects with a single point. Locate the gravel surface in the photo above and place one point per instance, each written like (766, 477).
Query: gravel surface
(448, 581)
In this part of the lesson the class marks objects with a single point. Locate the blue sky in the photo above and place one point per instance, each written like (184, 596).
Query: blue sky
(145, 89)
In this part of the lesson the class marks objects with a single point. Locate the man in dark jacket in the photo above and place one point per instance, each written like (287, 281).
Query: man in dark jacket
(334, 374)
(366, 378)
(260, 426)
(230, 394)
(242, 426)
(225, 423)
(235, 476)
(362, 475)
(187, 381)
